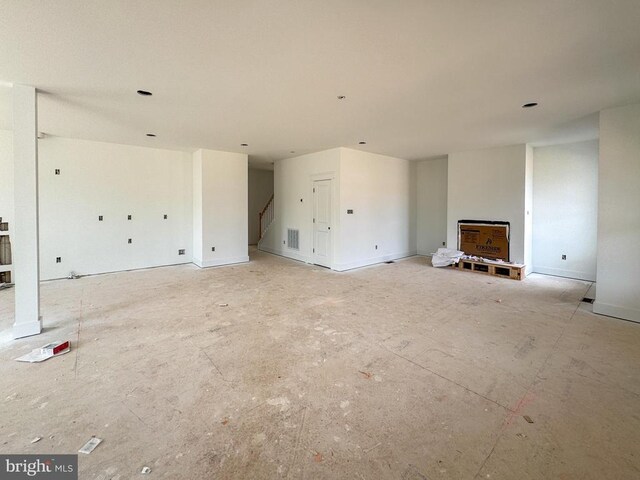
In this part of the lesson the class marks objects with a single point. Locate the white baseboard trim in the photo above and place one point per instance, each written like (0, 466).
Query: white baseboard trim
(263, 248)
(286, 254)
(616, 311)
(559, 272)
(109, 272)
(341, 267)
(220, 262)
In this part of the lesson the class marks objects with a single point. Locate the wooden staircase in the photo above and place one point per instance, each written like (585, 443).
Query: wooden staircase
(266, 217)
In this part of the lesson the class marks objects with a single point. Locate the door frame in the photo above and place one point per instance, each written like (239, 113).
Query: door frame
(316, 178)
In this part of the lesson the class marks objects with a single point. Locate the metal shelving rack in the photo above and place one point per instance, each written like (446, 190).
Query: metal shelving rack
(6, 269)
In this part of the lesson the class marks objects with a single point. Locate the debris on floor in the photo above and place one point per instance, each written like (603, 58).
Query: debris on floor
(225, 421)
(318, 457)
(56, 348)
(36, 440)
(499, 300)
(527, 418)
(73, 275)
(5, 285)
(91, 445)
(366, 375)
(45, 352)
(223, 304)
(145, 470)
(445, 257)
(367, 450)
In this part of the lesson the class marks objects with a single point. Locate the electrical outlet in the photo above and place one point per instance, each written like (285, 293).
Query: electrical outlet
(564, 257)
(213, 249)
(443, 244)
(100, 218)
(129, 241)
(181, 251)
(165, 216)
(376, 247)
(128, 217)
(58, 259)
(57, 171)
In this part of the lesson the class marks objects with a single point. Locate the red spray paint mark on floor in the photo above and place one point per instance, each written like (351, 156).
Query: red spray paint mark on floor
(527, 399)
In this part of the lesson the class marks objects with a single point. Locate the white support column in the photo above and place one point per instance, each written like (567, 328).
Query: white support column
(220, 208)
(25, 239)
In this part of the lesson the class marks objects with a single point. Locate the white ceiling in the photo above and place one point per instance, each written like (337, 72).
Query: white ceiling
(422, 78)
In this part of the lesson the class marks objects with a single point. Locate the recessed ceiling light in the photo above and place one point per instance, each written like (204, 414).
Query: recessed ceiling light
(244, 144)
(362, 143)
(151, 134)
(530, 105)
(144, 93)
(341, 97)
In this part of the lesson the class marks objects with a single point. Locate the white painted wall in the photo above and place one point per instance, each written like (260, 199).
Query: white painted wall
(431, 180)
(618, 262)
(6, 175)
(6, 182)
(293, 207)
(565, 205)
(220, 205)
(197, 187)
(381, 192)
(114, 181)
(489, 184)
(118, 180)
(260, 191)
(528, 210)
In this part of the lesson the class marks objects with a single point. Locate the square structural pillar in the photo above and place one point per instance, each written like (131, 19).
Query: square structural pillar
(220, 208)
(25, 253)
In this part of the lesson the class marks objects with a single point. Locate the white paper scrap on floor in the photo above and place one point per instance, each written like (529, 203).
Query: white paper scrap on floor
(445, 257)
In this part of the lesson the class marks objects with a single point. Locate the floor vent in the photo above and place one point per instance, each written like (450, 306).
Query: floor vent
(292, 239)
(587, 300)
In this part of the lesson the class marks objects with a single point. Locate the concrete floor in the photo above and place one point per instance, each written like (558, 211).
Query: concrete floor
(394, 371)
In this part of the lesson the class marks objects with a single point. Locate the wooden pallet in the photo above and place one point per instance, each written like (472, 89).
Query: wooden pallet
(514, 271)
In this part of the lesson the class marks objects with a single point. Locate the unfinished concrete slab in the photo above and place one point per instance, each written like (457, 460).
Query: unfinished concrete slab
(393, 371)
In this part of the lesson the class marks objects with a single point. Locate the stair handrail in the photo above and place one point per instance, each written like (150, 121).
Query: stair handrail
(261, 215)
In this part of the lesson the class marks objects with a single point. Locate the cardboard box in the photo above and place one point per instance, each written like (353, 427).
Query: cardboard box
(46, 352)
(484, 239)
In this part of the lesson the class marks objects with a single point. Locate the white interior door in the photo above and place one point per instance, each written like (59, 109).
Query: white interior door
(322, 223)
